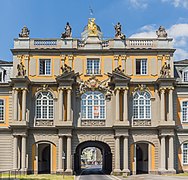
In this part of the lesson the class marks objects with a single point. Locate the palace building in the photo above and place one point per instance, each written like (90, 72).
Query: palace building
(124, 96)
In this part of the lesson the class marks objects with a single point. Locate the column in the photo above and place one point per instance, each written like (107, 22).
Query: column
(117, 105)
(163, 154)
(69, 104)
(162, 105)
(117, 154)
(171, 154)
(15, 152)
(24, 104)
(125, 110)
(170, 117)
(15, 108)
(69, 169)
(23, 156)
(125, 155)
(60, 153)
(60, 104)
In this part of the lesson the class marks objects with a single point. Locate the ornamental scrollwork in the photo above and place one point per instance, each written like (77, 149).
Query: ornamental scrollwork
(93, 84)
(141, 87)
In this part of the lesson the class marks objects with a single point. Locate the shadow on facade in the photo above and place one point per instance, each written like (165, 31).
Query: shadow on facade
(105, 151)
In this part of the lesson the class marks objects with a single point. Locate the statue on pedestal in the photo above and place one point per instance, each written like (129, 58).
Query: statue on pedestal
(25, 32)
(161, 32)
(21, 69)
(165, 71)
(118, 33)
(66, 69)
(68, 31)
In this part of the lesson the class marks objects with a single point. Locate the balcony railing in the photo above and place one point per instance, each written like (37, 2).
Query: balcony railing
(45, 42)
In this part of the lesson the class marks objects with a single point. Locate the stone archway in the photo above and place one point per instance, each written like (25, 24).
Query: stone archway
(105, 151)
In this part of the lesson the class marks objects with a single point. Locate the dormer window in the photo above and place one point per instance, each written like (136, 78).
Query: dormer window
(185, 76)
(2, 75)
(93, 67)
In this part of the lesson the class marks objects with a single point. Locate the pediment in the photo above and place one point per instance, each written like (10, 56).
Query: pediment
(67, 78)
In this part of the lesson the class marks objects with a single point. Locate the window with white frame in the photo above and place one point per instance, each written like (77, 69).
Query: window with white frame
(93, 66)
(185, 76)
(185, 153)
(2, 110)
(93, 105)
(142, 105)
(185, 111)
(141, 66)
(44, 66)
(44, 106)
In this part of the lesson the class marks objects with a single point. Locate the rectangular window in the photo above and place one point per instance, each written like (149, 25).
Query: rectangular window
(45, 66)
(185, 78)
(93, 66)
(185, 111)
(185, 153)
(2, 110)
(141, 66)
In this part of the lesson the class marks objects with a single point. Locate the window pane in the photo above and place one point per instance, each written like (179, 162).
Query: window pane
(186, 76)
(138, 66)
(144, 66)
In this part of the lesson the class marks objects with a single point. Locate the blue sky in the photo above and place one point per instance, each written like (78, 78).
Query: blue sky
(139, 18)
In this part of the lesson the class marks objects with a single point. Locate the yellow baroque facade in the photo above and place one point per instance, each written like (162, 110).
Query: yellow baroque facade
(125, 96)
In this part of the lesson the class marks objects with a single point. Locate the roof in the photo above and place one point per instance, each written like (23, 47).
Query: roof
(185, 61)
(5, 62)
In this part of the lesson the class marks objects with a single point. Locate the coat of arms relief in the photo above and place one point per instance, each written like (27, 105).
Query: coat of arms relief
(93, 84)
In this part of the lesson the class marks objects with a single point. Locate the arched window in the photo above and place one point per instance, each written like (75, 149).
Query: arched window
(44, 105)
(142, 105)
(93, 105)
(185, 153)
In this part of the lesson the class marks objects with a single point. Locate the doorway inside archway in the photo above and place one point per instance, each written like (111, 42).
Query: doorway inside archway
(93, 154)
(141, 158)
(44, 162)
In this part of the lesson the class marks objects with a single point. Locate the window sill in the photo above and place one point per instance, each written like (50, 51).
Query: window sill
(93, 122)
(87, 75)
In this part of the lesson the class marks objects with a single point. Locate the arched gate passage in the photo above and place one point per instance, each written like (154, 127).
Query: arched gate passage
(106, 154)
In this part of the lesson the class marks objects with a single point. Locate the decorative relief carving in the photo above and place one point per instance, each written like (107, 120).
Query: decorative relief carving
(141, 122)
(93, 122)
(141, 87)
(44, 123)
(94, 84)
(165, 71)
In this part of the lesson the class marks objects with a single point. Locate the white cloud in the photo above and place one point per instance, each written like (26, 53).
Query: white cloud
(139, 3)
(179, 32)
(178, 3)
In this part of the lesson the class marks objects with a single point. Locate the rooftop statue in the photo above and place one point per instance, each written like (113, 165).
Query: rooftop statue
(118, 33)
(21, 69)
(165, 71)
(66, 69)
(68, 31)
(92, 27)
(161, 32)
(25, 32)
